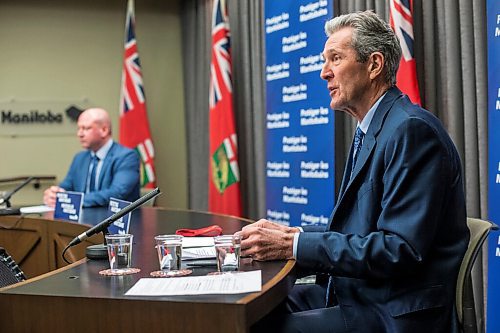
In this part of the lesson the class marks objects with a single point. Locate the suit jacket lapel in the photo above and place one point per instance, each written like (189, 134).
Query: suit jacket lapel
(347, 173)
(369, 143)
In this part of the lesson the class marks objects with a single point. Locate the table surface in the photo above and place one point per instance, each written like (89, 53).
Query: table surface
(82, 279)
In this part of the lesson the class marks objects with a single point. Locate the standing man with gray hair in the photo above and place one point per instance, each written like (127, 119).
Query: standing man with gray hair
(397, 235)
(104, 169)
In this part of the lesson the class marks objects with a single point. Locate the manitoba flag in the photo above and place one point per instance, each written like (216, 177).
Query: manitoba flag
(134, 124)
(401, 12)
(224, 176)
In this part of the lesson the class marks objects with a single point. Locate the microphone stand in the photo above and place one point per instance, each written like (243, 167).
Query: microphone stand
(99, 251)
(6, 199)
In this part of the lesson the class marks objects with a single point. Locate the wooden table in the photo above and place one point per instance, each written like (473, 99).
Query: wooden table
(77, 299)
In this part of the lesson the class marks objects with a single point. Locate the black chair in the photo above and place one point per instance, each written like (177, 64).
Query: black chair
(466, 310)
(10, 272)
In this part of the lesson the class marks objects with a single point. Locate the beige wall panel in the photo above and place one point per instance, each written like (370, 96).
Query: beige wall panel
(72, 51)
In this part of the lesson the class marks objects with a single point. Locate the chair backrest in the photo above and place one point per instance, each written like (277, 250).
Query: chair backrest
(479, 230)
(10, 273)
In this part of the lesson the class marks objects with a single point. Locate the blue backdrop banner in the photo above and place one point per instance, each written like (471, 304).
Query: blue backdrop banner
(300, 125)
(493, 13)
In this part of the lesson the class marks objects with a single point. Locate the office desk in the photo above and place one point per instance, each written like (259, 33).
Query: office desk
(77, 299)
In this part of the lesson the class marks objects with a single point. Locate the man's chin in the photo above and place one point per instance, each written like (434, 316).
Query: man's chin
(337, 104)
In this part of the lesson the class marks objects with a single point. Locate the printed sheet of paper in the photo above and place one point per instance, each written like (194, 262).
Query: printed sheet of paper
(193, 253)
(229, 283)
(197, 241)
(36, 209)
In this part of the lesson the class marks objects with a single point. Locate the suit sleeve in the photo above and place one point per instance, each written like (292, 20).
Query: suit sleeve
(313, 228)
(68, 182)
(416, 169)
(125, 174)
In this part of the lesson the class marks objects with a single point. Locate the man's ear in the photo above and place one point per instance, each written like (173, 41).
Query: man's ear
(376, 64)
(105, 131)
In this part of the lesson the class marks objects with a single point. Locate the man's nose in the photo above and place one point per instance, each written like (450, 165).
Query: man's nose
(326, 72)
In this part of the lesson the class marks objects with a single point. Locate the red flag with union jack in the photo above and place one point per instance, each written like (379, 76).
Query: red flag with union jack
(401, 12)
(134, 124)
(224, 176)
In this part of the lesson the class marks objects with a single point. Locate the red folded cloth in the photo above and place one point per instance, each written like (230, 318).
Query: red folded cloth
(210, 231)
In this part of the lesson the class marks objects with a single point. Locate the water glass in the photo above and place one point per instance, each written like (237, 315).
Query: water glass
(119, 251)
(169, 249)
(227, 251)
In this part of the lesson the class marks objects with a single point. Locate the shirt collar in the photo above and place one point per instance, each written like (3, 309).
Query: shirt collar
(365, 123)
(103, 151)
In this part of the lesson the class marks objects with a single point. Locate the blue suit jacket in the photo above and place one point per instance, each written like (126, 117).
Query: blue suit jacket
(119, 176)
(398, 233)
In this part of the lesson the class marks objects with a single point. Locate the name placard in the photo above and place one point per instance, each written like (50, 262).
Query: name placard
(122, 225)
(68, 206)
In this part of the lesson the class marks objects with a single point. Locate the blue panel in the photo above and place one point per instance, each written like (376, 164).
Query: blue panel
(493, 13)
(300, 143)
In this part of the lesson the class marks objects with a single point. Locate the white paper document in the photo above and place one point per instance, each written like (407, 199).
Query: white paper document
(192, 253)
(197, 241)
(229, 283)
(36, 209)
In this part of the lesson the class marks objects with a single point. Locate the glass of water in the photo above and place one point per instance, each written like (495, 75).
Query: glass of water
(119, 252)
(227, 251)
(169, 249)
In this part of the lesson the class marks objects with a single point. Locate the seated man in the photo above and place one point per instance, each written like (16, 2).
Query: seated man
(105, 169)
(397, 235)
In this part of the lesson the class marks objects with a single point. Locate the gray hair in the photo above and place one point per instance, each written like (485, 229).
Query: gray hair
(370, 34)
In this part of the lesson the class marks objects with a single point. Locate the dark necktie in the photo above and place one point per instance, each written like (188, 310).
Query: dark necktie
(93, 169)
(358, 142)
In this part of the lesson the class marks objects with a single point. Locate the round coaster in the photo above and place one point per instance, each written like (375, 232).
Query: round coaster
(180, 272)
(125, 271)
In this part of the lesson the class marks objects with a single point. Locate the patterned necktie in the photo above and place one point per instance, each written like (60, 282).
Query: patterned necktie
(93, 169)
(358, 142)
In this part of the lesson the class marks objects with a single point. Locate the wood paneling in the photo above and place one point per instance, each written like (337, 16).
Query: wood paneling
(36, 244)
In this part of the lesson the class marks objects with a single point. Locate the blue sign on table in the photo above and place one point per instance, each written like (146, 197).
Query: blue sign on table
(300, 186)
(68, 206)
(122, 225)
(493, 14)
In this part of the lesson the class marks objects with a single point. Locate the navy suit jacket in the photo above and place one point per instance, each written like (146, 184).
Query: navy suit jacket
(398, 233)
(119, 176)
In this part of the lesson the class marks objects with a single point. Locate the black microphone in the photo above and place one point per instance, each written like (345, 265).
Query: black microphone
(6, 198)
(102, 226)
